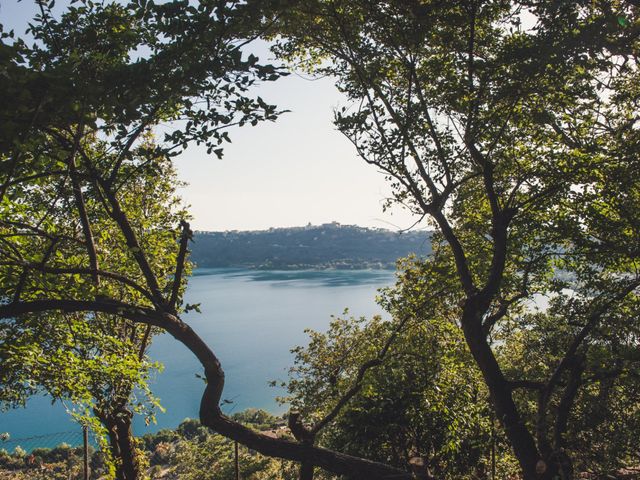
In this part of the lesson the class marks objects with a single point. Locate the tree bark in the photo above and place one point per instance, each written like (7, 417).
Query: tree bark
(121, 443)
(522, 442)
(306, 471)
(305, 436)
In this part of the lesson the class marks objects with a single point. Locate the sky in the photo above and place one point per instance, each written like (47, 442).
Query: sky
(291, 172)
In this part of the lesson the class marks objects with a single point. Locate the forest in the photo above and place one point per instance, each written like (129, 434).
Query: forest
(323, 246)
(511, 127)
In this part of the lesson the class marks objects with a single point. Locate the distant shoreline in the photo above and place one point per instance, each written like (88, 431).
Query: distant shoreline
(322, 247)
(320, 267)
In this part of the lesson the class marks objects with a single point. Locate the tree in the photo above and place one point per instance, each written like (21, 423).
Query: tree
(421, 403)
(513, 128)
(77, 153)
(94, 360)
(81, 101)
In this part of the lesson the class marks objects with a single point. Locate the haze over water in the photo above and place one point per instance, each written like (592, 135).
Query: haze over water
(251, 319)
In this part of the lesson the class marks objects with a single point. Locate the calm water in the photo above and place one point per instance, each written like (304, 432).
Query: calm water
(251, 319)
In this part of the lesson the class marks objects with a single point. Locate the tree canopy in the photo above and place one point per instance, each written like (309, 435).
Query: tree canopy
(89, 209)
(511, 126)
(80, 102)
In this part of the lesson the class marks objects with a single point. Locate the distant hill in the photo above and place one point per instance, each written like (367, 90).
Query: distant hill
(325, 246)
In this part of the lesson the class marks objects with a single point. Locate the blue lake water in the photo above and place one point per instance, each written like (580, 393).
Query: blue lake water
(251, 319)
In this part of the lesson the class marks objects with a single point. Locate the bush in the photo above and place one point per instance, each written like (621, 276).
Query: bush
(162, 453)
(191, 428)
(151, 440)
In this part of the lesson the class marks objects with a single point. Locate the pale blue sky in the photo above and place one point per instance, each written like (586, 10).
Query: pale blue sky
(288, 173)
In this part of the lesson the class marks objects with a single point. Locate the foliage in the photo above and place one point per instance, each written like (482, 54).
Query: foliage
(60, 463)
(88, 202)
(423, 400)
(512, 127)
(329, 245)
(258, 419)
(213, 457)
(190, 451)
(193, 452)
(197, 453)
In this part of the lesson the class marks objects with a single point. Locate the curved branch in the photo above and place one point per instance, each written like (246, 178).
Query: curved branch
(210, 413)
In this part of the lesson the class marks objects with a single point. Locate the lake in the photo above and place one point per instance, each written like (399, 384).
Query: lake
(251, 319)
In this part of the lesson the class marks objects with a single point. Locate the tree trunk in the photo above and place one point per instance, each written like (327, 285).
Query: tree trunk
(121, 443)
(521, 440)
(306, 471)
(304, 436)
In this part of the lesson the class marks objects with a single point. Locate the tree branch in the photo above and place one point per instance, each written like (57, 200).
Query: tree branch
(82, 208)
(182, 253)
(82, 271)
(210, 413)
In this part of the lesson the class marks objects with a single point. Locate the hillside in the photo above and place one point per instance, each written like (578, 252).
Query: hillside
(325, 246)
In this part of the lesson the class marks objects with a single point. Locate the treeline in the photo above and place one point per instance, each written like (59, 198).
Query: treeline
(329, 245)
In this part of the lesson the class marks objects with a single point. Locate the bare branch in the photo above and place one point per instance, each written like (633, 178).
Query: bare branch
(177, 278)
